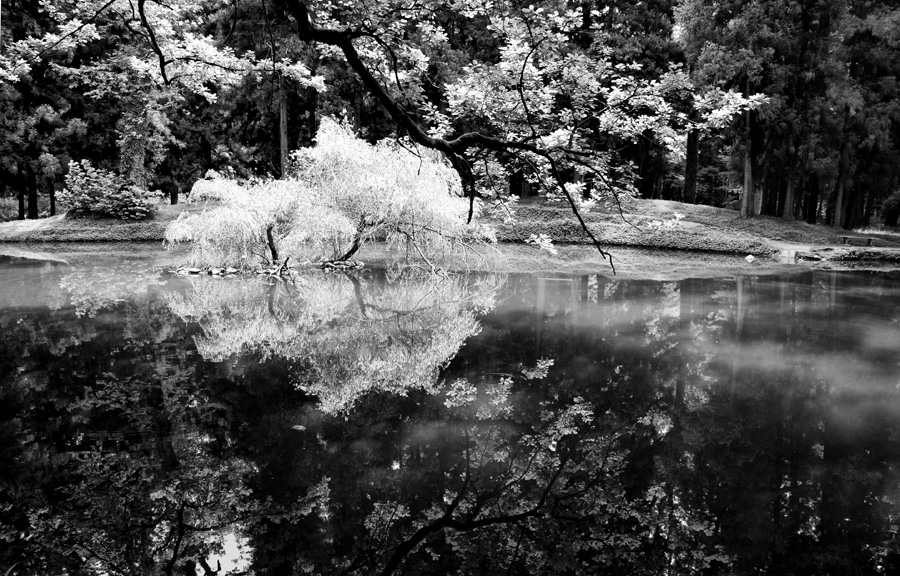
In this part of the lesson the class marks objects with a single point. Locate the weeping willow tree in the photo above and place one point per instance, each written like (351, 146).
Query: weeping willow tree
(346, 337)
(342, 193)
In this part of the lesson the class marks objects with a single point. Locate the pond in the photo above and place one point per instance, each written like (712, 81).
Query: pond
(388, 422)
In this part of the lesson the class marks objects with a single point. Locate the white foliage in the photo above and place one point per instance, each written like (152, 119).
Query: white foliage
(343, 190)
(345, 340)
(543, 242)
(386, 191)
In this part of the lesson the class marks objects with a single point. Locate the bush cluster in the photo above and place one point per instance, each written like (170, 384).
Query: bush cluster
(91, 190)
(891, 209)
(9, 209)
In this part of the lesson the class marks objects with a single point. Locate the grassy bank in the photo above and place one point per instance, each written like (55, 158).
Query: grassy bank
(641, 223)
(673, 225)
(62, 228)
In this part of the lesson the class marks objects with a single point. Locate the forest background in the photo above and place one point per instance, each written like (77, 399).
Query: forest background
(780, 107)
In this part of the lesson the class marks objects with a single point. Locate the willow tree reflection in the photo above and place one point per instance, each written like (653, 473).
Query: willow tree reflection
(345, 335)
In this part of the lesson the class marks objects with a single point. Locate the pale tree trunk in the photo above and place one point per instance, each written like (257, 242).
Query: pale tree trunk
(283, 126)
(133, 147)
(748, 201)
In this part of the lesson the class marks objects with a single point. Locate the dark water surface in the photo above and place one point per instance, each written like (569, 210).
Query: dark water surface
(389, 423)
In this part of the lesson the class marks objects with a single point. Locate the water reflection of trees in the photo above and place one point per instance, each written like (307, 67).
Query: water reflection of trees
(769, 406)
(346, 336)
(118, 454)
(715, 427)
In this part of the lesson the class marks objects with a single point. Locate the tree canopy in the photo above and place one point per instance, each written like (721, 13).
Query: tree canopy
(792, 104)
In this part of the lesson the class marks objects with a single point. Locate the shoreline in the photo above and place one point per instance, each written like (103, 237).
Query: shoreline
(645, 233)
(630, 263)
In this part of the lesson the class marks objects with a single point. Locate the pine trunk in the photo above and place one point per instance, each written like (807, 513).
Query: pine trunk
(837, 220)
(787, 212)
(812, 207)
(283, 126)
(869, 209)
(747, 200)
(20, 180)
(748, 203)
(32, 188)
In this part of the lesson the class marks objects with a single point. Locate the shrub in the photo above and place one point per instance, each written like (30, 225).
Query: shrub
(9, 209)
(386, 191)
(100, 192)
(891, 209)
(344, 192)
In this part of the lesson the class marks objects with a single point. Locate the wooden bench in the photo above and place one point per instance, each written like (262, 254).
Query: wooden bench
(853, 239)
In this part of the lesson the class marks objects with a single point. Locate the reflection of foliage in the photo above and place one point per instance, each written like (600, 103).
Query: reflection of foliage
(483, 479)
(346, 338)
(600, 427)
(93, 289)
(118, 462)
(144, 486)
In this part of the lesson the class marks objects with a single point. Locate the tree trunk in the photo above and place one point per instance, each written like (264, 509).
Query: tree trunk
(270, 240)
(869, 208)
(689, 194)
(353, 249)
(748, 203)
(52, 189)
(837, 220)
(772, 188)
(853, 206)
(32, 188)
(20, 179)
(283, 126)
(133, 147)
(747, 200)
(311, 120)
(812, 207)
(787, 212)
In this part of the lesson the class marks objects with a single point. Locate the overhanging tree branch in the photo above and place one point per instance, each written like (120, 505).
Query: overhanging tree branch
(457, 149)
(154, 44)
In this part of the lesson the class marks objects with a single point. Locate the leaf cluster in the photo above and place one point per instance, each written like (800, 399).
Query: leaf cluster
(99, 192)
(344, 191)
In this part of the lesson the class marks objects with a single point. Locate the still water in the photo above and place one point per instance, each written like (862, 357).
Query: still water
(385, 422)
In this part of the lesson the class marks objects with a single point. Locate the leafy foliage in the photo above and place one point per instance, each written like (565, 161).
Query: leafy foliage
(99, 192)
(344, 192)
